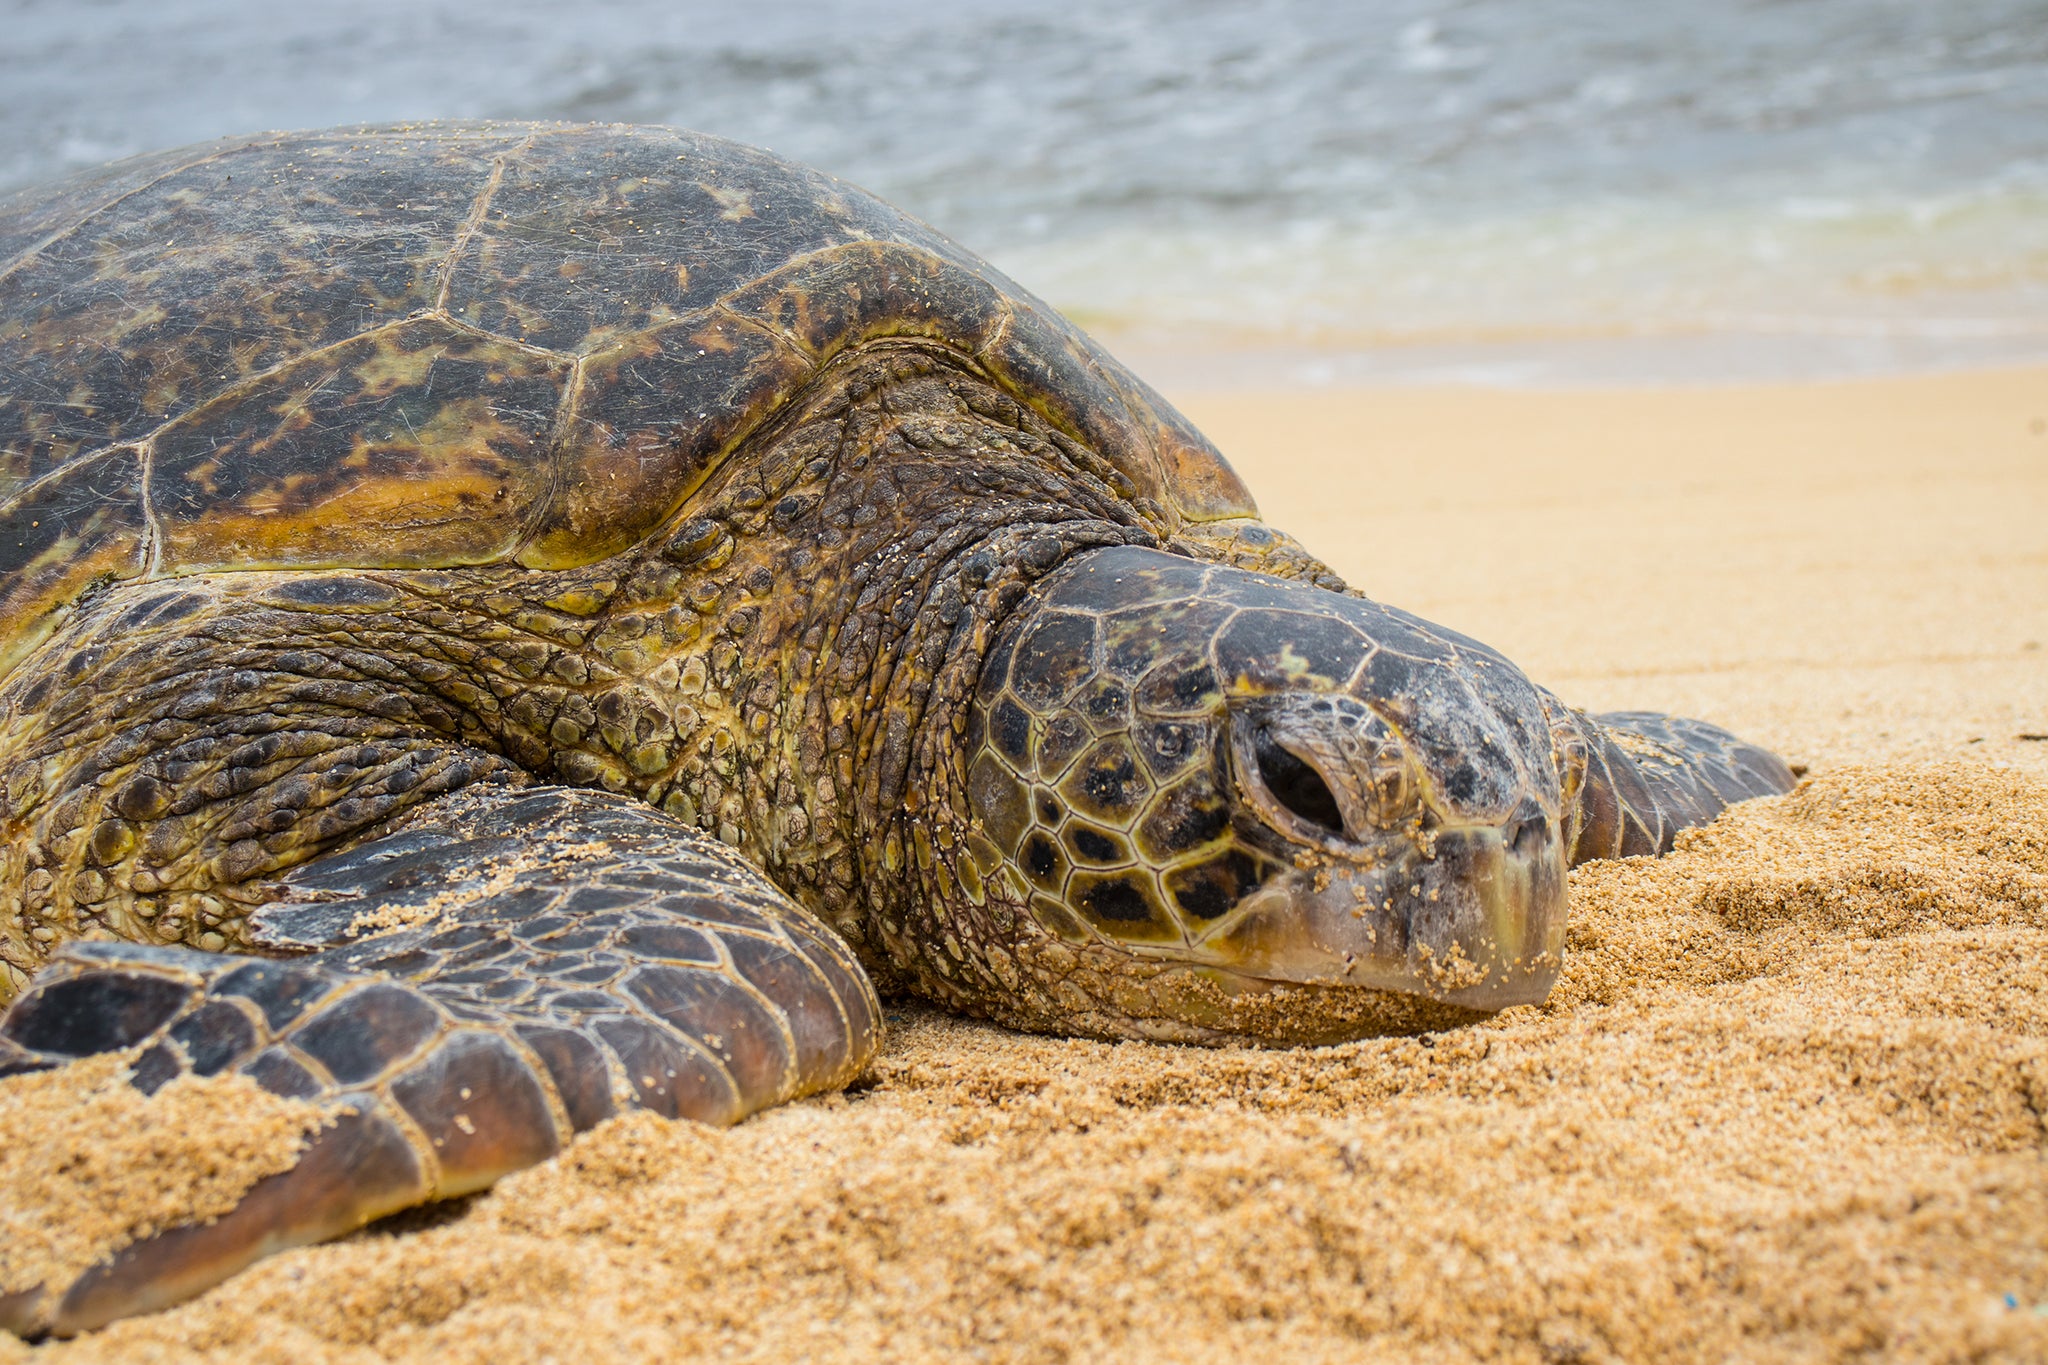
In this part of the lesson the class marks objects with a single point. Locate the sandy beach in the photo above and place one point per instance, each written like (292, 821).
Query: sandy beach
(1789, 1102)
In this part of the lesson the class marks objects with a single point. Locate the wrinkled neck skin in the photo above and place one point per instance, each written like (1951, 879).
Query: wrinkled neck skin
(894, 521)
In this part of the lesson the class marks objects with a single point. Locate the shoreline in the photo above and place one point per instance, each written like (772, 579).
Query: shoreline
(1590, 361)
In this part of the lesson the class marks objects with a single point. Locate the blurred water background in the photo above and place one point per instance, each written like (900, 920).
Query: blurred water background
(1302, 191)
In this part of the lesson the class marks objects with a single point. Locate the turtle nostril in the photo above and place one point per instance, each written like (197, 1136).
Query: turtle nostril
(1296, 784)
(1525, 838)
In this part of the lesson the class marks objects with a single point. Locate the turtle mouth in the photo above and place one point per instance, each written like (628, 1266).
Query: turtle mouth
(1385, 889)
(1471, 916)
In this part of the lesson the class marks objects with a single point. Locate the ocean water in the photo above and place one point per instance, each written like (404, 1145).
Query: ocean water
(1313, 191)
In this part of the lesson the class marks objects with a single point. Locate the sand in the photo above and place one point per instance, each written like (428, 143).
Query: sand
(1790, 1101)
(151, 1162)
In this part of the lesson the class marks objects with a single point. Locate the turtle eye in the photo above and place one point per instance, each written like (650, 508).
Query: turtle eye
(1295, 783)
(1327, 771)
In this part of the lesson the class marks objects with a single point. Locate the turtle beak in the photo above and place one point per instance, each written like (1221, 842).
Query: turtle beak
(1471, 916)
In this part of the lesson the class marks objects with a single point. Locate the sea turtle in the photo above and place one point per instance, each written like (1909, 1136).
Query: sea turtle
(504, 623)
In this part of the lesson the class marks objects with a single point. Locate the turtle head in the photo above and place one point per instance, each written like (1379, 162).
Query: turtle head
(1285, 813)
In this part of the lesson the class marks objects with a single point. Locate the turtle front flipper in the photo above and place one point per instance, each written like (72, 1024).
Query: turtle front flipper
(505, 970)
(1633, 779)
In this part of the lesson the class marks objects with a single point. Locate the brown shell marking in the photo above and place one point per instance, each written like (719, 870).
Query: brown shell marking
(419, 439)
(458, 344)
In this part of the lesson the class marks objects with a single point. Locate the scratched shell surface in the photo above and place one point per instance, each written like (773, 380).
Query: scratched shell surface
(465, 344)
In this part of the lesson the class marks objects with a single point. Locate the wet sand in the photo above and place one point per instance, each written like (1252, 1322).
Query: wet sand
(1790, 1101)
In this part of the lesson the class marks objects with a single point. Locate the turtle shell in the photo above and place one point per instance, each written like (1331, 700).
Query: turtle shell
(442, 344)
